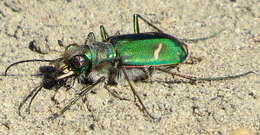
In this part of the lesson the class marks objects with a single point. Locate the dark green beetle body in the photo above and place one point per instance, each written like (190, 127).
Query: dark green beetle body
(132, 51)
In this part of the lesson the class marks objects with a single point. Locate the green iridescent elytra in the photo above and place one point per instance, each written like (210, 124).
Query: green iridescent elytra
(149, 49)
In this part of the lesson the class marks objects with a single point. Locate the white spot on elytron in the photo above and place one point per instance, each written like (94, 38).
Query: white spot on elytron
(157, 51)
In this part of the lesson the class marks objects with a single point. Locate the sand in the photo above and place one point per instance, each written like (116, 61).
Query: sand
(210, 108)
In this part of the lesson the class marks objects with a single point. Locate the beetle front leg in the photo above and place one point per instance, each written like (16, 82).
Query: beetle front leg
(31, 95)
(115, 93)
(91, 38)
(82, 93)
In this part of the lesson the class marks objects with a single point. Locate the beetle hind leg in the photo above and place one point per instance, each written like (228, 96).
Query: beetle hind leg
(202, 38)
(136, 24)
(193, 60)
(193, 78)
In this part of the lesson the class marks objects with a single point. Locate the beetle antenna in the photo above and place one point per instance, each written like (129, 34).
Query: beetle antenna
(25, 61)
(40, 74)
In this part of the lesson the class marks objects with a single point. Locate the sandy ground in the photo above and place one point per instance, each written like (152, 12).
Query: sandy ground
(210, 108)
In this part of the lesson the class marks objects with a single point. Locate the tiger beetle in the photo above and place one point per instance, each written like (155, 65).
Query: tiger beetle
(134, 56)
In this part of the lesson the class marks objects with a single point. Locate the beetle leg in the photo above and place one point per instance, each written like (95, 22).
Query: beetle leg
(82, 93)
(113, 76)
(103, 33)
(91, 38)
(147, 76)
(114, 93)
(136, 24)
(32, 94)
(117, 33)
(137, 30)
(193, 60)
(138, 97)
(202, 38)
(193, 78)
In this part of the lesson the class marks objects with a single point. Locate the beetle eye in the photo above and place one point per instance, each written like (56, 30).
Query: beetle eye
(78, 61)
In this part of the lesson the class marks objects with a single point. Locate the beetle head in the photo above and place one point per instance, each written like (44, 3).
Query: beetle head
(75, 61)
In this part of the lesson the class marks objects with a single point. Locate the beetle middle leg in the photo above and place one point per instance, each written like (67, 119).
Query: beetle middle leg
(136, 74)
(103, 33)
(138, 97)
